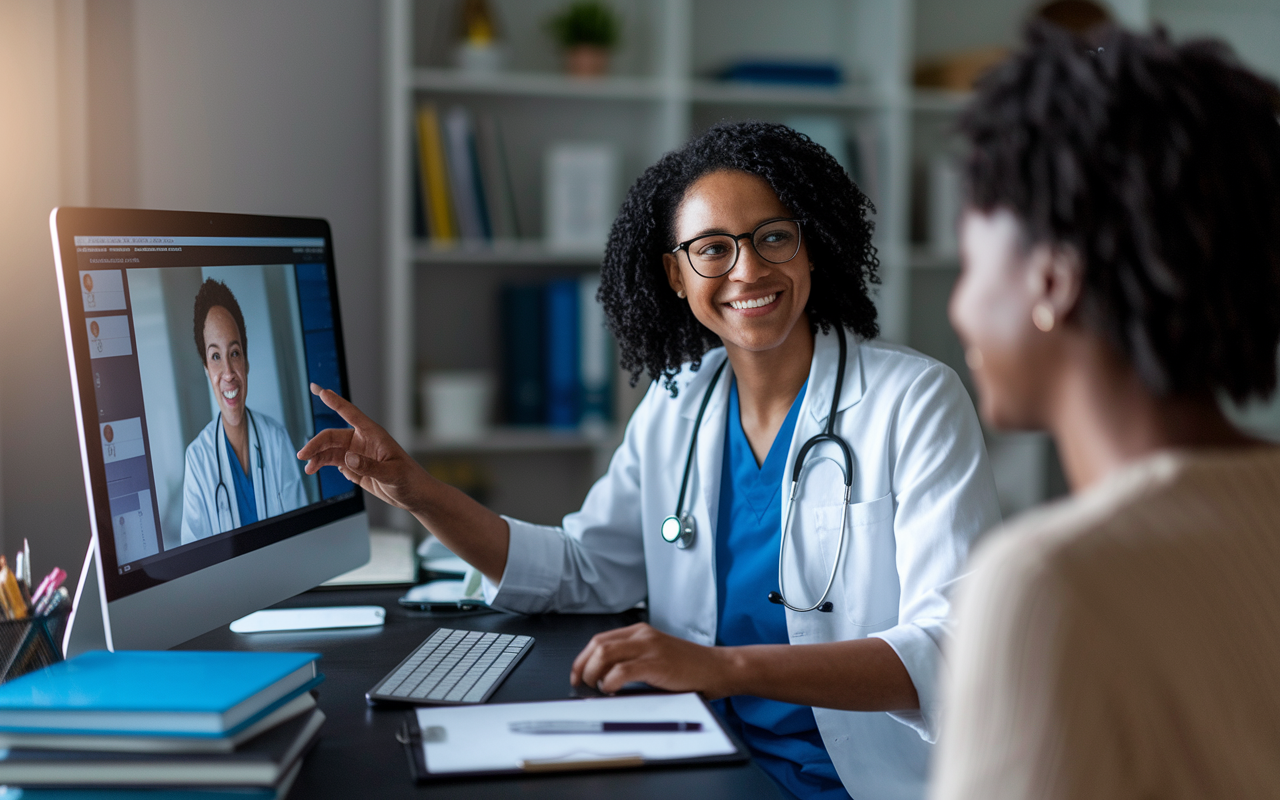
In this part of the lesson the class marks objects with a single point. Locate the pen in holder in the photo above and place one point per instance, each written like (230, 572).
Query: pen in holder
(31, 643)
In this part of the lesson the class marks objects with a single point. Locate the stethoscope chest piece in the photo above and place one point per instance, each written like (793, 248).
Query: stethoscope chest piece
(679, 530)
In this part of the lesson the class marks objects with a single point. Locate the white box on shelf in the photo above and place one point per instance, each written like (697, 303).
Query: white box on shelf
(581, 189)
(457, 404)
(944, 205)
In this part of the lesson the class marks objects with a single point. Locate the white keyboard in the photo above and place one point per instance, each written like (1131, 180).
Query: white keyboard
(452, 668)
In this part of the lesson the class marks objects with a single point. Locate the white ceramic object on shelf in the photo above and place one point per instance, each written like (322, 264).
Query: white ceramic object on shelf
(458, 404)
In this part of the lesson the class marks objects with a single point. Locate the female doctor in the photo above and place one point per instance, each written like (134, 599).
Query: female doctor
(737, 275)
(238, 469)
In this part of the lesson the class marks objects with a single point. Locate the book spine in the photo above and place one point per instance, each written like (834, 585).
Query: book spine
(522, 350)
(477, 181)
(561, 323)
(596, 355)
(421, 225)
(435, 176)
(493, 169)
(457, 127)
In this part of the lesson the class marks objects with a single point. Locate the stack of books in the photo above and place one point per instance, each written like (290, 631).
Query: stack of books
(178, 724)
(462, 182)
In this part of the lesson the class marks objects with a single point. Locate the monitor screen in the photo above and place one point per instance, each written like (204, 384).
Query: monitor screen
(193, 355)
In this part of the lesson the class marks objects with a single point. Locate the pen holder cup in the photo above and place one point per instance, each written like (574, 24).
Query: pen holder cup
(27, 645)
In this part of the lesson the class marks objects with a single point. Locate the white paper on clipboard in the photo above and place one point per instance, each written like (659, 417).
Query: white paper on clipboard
(478, 739)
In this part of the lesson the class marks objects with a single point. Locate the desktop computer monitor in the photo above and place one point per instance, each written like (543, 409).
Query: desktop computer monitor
(192, 339)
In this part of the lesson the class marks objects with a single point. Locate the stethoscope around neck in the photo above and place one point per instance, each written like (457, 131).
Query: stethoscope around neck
(681, 530)
(221, 493)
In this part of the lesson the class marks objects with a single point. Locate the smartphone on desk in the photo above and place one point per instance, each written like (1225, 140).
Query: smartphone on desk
(449, 595)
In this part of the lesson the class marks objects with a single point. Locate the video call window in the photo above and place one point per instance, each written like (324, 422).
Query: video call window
(200, 378)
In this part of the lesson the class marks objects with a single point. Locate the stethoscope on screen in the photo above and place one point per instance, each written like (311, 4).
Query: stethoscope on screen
(680, 529)
(221, 493)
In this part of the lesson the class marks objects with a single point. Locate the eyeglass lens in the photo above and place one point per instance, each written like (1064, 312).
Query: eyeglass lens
(776, 241)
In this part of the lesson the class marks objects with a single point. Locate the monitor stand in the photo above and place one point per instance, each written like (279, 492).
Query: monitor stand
(86, 630)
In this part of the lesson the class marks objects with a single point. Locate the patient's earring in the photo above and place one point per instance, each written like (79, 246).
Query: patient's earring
(680, 293)
(1042, 316)
(973, 357)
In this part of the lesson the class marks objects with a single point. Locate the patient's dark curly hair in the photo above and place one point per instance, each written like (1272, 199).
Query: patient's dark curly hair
(215, 293)
(1159, 165)
(656, 331)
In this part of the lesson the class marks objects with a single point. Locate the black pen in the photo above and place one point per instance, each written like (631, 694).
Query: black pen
(575, 726)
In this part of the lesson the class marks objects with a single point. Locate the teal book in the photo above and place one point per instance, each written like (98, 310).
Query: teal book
(173, 692)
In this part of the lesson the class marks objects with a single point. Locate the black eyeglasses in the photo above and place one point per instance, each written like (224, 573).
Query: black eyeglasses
(714, 254)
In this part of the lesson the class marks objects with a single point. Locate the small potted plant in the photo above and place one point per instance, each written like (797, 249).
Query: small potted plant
(586, 31)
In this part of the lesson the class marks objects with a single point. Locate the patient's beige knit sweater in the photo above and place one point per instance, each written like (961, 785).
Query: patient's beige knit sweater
(1124, 642)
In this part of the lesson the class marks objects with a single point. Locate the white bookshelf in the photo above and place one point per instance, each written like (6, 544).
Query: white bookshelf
(659, 94)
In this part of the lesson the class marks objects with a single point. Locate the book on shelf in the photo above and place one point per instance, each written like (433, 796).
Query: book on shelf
(560, 341)
(495, 173)
(464, 183)
(523, 395)
(156, 693)
(262, 761)
(433, 175)
(557, 354)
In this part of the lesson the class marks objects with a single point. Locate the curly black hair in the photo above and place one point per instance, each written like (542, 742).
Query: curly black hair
(1159, 165)
(215, 293)
(655, 330)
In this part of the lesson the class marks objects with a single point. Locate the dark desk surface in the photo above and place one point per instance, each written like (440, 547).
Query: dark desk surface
(358, 755)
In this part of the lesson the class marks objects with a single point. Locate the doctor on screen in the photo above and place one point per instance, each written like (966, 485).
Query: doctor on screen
(241, 468)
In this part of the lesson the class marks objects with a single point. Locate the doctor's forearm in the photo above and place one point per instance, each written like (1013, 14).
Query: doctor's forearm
(472, 532)
(859, 675)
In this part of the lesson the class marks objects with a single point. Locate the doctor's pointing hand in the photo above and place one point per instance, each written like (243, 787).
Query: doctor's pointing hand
(793, 499)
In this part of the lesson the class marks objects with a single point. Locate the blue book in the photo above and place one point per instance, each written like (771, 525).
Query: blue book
(524, 395)
(562, 352)
(174, 692)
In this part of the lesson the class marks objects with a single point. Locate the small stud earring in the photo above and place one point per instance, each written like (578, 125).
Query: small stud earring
(680, 293)
(1042, 316)
(973, 357)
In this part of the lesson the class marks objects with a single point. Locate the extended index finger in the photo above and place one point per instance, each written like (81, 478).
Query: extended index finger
(345, 408)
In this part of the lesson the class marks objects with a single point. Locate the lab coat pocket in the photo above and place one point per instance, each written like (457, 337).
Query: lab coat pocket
(867, 572)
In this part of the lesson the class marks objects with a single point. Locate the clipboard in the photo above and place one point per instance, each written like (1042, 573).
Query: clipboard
(411, 736)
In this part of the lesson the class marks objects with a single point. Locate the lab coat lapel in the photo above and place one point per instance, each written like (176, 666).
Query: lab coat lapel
(710, 455)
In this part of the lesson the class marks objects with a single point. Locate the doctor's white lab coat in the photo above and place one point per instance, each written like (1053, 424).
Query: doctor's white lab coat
(922, 492)
(277, 484)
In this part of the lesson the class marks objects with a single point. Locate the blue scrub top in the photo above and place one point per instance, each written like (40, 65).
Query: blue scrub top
(244, 486)
(784, 738)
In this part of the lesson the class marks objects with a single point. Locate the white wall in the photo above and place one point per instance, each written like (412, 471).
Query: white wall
(257, 106)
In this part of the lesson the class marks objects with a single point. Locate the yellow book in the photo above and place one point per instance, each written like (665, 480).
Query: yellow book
(441, 224)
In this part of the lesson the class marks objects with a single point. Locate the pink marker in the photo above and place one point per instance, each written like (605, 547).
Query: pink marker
(50, 583)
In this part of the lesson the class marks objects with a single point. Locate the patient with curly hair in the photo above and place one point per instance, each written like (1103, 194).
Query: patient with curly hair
(1121, 280)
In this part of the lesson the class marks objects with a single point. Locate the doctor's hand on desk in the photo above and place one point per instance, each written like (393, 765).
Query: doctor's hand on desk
(857, 675)
(369, 457)
(641, 652)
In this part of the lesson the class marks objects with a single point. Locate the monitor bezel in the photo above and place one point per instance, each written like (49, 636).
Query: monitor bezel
(72, 222)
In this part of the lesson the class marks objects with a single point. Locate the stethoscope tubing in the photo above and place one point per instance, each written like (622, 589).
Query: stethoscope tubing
(685, 527)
